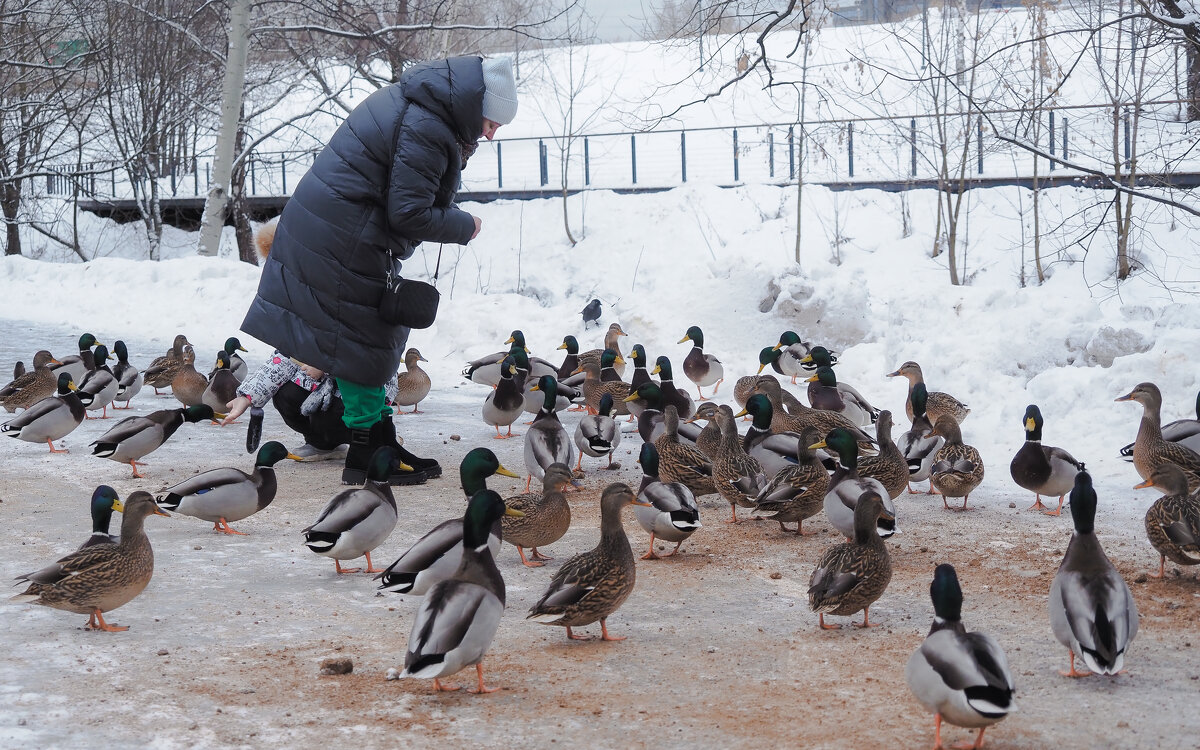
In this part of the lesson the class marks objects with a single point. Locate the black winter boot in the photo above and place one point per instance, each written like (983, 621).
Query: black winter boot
(426, 468)
(383, 433)
(357, 457)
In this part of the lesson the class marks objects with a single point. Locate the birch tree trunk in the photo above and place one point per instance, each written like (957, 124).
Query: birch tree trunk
(231, 106)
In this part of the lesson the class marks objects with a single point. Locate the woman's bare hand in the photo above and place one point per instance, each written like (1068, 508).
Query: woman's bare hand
(236, 408)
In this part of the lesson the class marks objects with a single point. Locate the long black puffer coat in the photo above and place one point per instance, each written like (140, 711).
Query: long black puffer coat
(386, 182)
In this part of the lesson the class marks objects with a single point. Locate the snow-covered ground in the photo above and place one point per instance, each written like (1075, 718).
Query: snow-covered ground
(720, 259)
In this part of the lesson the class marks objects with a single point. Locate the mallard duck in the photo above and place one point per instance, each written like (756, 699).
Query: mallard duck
(957, 468)
(136, 437)
(1042, 469)
(702, 369)
(529, 374)
(672, 514)
(801, 416)
(546, 441)
(103, 502)
(792, 351)
(1150, 450)
(1173, 521)
(545, 516)
(595, 388)
(1092, 612)
(227, 494)
(936, 402)
(457, 620)
(710, 435)
(680, 461)
(505, 403)
(641, 374)
(852, 575)
(412, 385)
(962, 677)
(486, 370)
(846, 487)
(99, 383)
(1186, 432)
(796, 491)
(918, 447)
(570, 361)
(163, 369)
(129, 380)
(672, 394)
(237, 365)
(597, 435)
(78, 365)
(18, 369)
(774, 451)
(650, 421)
(437, 554)
(222, 387)
(737, 476)
(818, 356)
(189, 384)
(744, 387)
(612, 340)
(27, 389)
(889, 466)
(357, 520)
(51, 418)
(103, 577)
(593, 585)
(826, 394)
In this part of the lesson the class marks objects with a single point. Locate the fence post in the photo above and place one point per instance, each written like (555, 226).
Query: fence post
(1065, 155)
(771, 152)
(912, 144)
(587, 162)
(735, 156)
(979, 146)
(172, 178)
(633, 155)
(283, 170)
(1052, 159)
(253, 177)
(850, 146)
(196, 175)
(791, 152)
(499, 166)
(207, 176)
(683, 154)
(543, 166)
(112, 176)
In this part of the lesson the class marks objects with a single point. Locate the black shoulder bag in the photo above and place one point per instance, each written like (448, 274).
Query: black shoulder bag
(408, 302)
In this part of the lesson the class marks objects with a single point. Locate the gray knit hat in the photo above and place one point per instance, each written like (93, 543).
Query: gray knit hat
(499, 90)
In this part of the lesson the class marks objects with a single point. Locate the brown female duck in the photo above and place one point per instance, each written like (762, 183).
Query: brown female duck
(851, 576)
(547, 515)
(1173, 521)
(27, 389)
(102, 577)
(1150, 450)
(936, 402)
(593, 585)
(957, 468)
(412, 385)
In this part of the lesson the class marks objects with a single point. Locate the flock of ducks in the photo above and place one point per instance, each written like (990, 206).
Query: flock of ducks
(792, 462)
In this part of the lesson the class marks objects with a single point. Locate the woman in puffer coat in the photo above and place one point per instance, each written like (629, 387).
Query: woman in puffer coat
(385, 183)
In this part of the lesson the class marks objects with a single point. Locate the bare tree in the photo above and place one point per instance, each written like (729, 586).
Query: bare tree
(42, 76)
(159, 83)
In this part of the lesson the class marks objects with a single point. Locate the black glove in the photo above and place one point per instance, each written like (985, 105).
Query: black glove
(254, 429)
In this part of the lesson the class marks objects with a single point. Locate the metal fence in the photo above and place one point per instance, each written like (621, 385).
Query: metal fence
(879, 149)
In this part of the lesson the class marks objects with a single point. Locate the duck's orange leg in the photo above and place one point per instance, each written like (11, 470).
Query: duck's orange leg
(1073, 672)
(482, 688)
(527, 563)
(100, 624)
(604, 636)
(224, 527)
(337, 565)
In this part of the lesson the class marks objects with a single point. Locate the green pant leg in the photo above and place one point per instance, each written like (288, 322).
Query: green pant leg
(364, 404)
